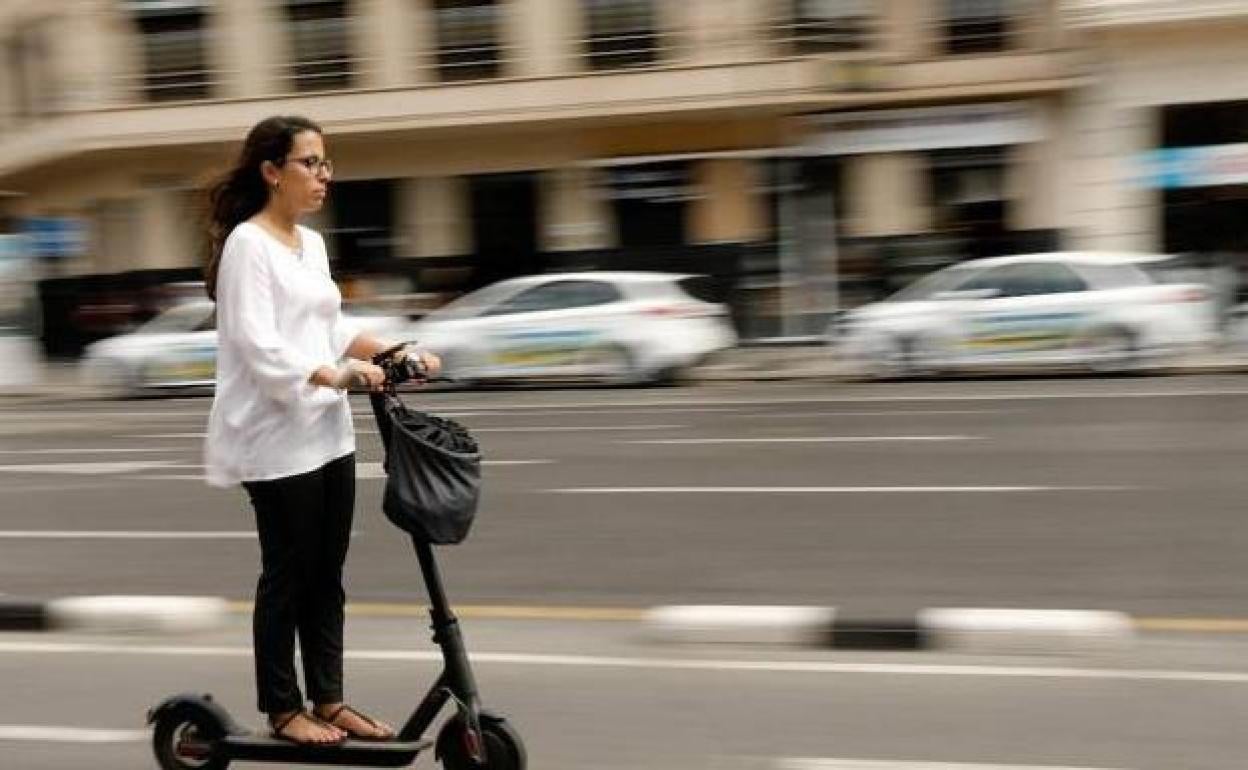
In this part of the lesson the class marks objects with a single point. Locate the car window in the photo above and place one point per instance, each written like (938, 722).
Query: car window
(180, 318)
(1115, 276)
(998, 279)
(558, 296)
(932, 283)
(1045, 278)
(1027, 279)
(475, 302)
(702, 287)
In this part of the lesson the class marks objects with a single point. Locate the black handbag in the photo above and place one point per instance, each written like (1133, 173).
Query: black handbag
(433, 468)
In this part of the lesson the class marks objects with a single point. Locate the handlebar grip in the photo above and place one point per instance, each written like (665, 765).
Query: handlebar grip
(401, 370)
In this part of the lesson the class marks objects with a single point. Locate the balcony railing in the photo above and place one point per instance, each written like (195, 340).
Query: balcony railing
(812, 27)
(321, 41)
(468, 39)
(1114, 13)
(986, 26)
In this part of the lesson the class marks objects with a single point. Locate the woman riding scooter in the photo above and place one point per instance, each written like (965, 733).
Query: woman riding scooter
(281, 424)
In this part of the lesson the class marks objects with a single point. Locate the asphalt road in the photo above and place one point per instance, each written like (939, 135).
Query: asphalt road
(1121, 493)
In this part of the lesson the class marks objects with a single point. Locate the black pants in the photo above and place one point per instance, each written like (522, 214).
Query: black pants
(304, 523)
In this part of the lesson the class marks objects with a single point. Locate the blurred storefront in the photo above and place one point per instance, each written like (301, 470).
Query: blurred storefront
(809, 155)
(1162, 164)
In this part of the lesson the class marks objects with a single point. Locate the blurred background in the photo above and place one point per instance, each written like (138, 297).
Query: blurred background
(809, 155)
(727, 194)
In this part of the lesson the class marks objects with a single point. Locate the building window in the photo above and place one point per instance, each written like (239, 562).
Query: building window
(31, 71)
(968, 195)
(621, 33)
(321, 40)
(978, 26)
(468, 47)
(175, 49)
(828, 26)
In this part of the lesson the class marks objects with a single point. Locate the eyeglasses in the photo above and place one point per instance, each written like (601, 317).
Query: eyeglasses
(315, 165)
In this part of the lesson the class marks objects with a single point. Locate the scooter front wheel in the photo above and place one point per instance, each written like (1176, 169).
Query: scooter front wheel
(502, 746)
(185, 741)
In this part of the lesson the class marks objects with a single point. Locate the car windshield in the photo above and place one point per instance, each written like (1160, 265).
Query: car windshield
(473, 303)
(933, 283)
(181, 318)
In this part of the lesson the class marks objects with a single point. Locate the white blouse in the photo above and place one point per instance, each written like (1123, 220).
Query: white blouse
(279, 318)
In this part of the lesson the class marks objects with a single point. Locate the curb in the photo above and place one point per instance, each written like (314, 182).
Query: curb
(114, 614)
(777, 369)
(947, 628)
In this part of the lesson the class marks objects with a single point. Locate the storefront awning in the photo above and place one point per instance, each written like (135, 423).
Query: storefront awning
(165, 7)
(925, 128)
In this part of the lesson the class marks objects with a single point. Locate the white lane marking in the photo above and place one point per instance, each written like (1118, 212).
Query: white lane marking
(363, 470)
(373, 470)
(166, 435)
(805, 440)
(506, 411)
(677, 664)
(187, 414)
(28, 489)
(572, 428)
(122, 534)
(80, 451)
(88, 468)
(832, 763)
(829, 490)
(934, 398)
(895, 413)
(53, 734)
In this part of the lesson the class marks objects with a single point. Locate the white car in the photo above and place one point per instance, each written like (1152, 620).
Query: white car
(175, 350)
(618, 327)
(1237, 330)
(1095, 311)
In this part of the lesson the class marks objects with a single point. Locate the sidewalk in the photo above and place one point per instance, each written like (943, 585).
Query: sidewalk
(807, 361)
(60, 381)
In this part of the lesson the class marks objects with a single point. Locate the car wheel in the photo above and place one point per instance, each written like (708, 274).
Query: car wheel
(613, 363)
(1109, 350)
(900, 358)
(109, 378)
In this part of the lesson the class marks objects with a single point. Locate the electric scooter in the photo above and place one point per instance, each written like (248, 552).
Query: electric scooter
(194, 732)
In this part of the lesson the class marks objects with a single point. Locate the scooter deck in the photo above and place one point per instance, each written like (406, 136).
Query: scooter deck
(265, 748)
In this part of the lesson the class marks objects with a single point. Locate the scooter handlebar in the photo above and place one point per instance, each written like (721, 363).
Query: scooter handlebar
(400, 369)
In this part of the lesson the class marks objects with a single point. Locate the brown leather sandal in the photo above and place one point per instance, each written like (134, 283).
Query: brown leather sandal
(279, 729)
(332, 719)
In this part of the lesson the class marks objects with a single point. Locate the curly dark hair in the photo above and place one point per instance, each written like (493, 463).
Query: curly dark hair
(241, 192)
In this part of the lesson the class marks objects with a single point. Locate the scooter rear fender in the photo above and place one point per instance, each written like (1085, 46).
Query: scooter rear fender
(186, 704)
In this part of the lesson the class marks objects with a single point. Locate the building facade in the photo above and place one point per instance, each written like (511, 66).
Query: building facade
(811, 152)
(1158, 147)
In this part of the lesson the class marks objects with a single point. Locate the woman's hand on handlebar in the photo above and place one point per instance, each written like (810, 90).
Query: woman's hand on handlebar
(358, 375)
(430, 364)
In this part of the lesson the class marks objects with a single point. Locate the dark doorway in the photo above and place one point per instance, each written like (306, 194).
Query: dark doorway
(363, 224)
(504, 225)
(651, 204)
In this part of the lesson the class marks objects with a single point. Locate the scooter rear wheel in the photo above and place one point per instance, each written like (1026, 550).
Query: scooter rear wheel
(184, 741)
(503, 748)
